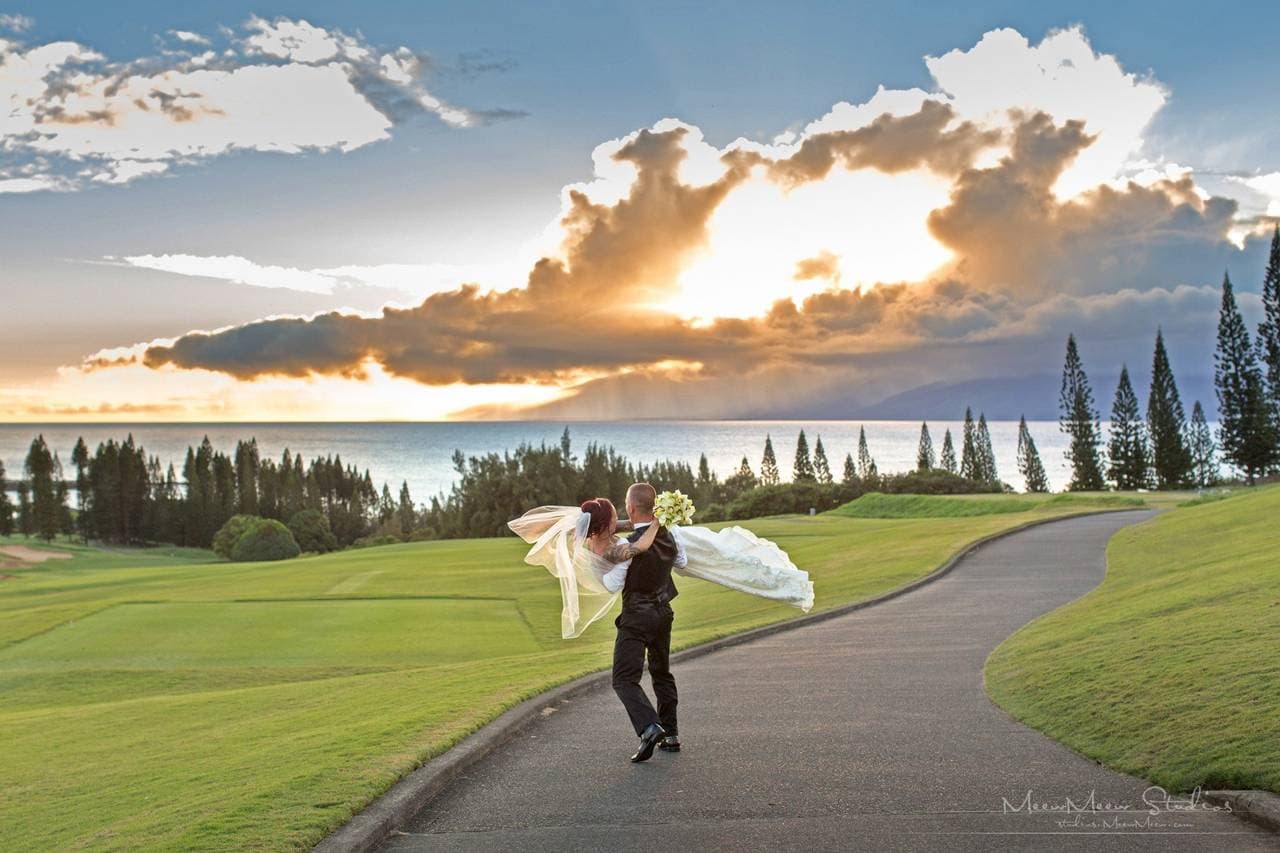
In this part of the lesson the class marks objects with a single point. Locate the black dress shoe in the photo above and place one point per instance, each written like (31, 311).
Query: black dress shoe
(670, 743)
(648, 740)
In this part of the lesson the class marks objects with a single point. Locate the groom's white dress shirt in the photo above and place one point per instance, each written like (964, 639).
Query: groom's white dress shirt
(615, 578)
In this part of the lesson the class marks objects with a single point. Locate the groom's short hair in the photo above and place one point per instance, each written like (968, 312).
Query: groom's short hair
(642, 496)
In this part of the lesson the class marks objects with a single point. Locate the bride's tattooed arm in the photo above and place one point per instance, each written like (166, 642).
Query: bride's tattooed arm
(620, 552)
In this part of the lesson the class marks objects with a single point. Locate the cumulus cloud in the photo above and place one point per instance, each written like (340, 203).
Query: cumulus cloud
(1024, 261)
(74, 118)
(824, 265)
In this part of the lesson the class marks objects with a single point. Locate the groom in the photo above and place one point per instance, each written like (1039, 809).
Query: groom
(644, 628)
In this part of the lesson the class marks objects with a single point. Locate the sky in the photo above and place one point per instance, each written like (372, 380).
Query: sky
(387, 211)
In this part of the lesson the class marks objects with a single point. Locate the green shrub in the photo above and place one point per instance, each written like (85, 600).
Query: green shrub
(310, 529)
(787, 498)
(266, 539)
(375, 541)
(1095, 500)
(229, 534)
(935, 481)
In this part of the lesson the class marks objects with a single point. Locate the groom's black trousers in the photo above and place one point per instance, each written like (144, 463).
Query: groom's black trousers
(644, 627)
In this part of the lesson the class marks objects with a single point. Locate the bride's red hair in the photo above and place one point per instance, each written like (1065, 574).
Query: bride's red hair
(601, 512)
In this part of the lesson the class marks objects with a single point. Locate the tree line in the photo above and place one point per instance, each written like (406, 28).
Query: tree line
(1164, 450)
(125, 496)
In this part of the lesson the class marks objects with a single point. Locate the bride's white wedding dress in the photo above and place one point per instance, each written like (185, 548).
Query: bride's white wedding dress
(733, 557)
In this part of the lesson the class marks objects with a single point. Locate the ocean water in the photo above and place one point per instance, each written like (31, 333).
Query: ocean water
(420, 453)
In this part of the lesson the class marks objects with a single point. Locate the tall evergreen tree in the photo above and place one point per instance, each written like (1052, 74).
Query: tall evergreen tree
(821, 467)
(80, 458)
(1167, 423)
(769, 475)
(850, 470)
(743, 480)
(1269, 328)
(6, 505)
(46, 516)
(866, 465)
(25, 523)
(986, 453)
(1029, 464)
(408, 516)
(66, 525)
(247, 464)
(924, 451)
(970, 460)
(1246, 427)
(1079, 420)
(1130, 460)
(948, 459)
(802, 471)
(1204, 460)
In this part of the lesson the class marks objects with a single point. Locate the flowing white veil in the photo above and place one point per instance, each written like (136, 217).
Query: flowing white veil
(733, 557)
(558, 535)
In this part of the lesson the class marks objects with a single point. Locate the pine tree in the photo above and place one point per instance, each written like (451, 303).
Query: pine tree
(1127, 450)
(80, 458)
(704, 472)
(247, 464)
(6, 506)
(408, 517)
(1269, 328)
(970, 462)
(1079, 420)
(1029, 464)
(1204, 462)
(802, 471)
(46, 517)
(850, 470)
(25, 523)
(1246, 431)
(924, 452)
(743, 480)
(866, 465)
(769, 475)
(1166, 423)
(948, 459)
(821, 467)
(986, 453)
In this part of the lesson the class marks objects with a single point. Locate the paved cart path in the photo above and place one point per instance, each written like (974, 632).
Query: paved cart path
(868, 731)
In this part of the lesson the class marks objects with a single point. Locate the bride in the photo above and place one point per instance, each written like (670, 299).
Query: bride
(580, 547)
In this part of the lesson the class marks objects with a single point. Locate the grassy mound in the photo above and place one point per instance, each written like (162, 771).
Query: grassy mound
(877, 505)
(1168, 670)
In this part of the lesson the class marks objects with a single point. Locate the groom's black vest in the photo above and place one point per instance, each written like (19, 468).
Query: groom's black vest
(650, 572)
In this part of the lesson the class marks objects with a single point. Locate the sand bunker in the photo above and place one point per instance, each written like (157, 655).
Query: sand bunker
(31, 555)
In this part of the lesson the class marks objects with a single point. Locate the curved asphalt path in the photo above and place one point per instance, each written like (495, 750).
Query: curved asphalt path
(869, 731)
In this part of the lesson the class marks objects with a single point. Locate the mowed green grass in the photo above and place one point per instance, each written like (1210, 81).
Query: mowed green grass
(1170, 669)
(232, 706)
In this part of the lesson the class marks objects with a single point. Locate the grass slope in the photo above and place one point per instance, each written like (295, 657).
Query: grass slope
(877, 505)
(230, 706)
(1169, 669)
